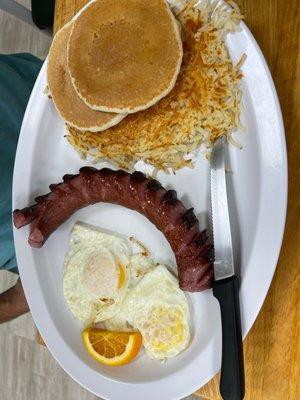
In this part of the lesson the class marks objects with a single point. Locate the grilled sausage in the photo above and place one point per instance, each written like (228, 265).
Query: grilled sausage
(134, 191)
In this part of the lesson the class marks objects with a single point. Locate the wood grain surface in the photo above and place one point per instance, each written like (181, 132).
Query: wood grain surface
(272, 348)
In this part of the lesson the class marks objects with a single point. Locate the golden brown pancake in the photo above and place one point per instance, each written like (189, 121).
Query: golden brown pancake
(124, 55)
(69, 105)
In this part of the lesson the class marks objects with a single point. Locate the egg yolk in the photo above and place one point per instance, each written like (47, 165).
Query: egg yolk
(163, 330)
(100, 274)
(122, 276)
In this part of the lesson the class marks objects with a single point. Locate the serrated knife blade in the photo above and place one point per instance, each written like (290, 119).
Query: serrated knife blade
(223, 261)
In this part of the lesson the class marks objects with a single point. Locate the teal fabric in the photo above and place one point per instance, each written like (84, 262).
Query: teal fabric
(18, 73)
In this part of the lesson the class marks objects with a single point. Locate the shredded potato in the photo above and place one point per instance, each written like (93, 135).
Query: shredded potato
(204, 104)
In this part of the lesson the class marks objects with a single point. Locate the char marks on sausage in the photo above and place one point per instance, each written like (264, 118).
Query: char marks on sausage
(135, 191)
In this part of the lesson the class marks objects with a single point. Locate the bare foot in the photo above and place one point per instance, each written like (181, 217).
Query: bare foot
(13, 303)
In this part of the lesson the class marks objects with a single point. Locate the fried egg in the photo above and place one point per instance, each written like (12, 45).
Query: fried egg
(96, 273)
(111, 279)
(159, 310)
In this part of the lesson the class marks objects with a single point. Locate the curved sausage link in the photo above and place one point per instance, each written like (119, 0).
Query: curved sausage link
(134, 191)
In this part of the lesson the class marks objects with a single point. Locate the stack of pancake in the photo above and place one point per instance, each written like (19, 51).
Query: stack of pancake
(114, 58)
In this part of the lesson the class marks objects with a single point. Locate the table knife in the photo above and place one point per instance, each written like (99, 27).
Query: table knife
(225, 287)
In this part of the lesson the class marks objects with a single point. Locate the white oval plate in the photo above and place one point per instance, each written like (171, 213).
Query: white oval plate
(258, 202)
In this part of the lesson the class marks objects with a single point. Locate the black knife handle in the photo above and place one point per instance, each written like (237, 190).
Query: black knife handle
(232, 384)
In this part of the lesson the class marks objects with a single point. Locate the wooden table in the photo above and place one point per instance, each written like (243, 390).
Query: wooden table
(272, 348)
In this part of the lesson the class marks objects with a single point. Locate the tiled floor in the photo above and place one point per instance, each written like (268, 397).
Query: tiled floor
(27, 370)
(17, 37)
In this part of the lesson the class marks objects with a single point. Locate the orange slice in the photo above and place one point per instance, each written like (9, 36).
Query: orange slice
(112, 348)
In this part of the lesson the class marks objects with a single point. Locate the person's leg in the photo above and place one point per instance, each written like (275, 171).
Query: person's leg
(13, 303)
(17, 76)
